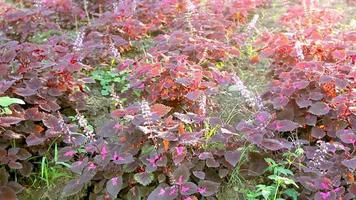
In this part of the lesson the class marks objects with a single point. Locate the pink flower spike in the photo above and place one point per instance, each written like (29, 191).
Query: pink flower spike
(114, 181)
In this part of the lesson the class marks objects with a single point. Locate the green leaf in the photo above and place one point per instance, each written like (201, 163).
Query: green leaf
(291, 193)
(144, 178)
(7, 101)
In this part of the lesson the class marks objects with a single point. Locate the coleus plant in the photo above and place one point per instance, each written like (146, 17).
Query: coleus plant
(312, 93)
(156, 146)
(145, 149)
(36, 84)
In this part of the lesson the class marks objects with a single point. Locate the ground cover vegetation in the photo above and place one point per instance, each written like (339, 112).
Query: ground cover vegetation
(177, 99)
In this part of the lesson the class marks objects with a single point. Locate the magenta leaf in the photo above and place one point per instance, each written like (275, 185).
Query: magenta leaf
(113, 186)
(319, 108)
(283, 125)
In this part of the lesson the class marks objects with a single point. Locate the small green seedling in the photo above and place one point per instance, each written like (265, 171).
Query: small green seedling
(5, 102)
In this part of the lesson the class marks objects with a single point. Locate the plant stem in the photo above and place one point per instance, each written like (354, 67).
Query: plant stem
(275, 194)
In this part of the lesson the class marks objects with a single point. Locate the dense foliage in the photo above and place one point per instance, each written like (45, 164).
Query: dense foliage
(162, 141)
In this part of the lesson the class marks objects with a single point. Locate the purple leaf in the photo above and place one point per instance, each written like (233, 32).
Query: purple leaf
(33, 140)
(163, 193)
(23, 154)
(25, 92)
(273, 145)
(317, 132)
(300, 84)
(181, 174)
(283, 125)
(280, 102)
(206, 155)
(26, 169)
(6, 121)
(208, 188)
(72, 187)
(310, 119)
(15, 165)
(262, 117)
(7, 193)
(223, 173)
(199, 174)
(316, 96)
(351, 164)
(124, 158)
(347, 136)
(113, 186)
(319, 108)
(232, 157)
(210, 162)
(15, 186)
(303, 103)
(194, 95)
(188, 188)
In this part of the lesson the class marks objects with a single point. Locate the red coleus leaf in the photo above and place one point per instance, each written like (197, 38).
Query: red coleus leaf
(160, 109)
(283, 125)
(319, 108)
